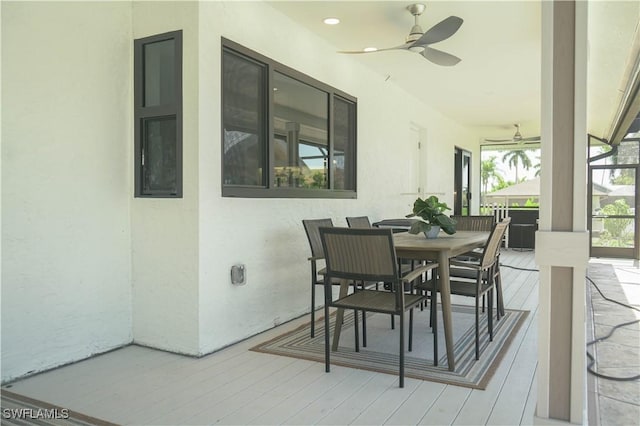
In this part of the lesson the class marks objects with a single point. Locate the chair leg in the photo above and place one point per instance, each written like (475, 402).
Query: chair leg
(497, 305)
(434, 277)
(355, 327)
(434, 310)
(434, 322)
(313, 310)
(364, 329)
(401, 349)
(410, 329)
(387, 286)
(477, 328)
(499, 297)
(364, 316)
(327, 360)
(490, 319)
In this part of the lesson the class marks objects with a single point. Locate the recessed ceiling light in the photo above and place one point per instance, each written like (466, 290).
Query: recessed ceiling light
(331, 21)
(370, 49)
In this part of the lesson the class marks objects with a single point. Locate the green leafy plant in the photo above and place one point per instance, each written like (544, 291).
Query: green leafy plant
(431, 211)
(617, 227)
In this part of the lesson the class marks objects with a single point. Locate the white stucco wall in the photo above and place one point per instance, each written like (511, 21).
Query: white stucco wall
(87, 267)
(164, 232)
(66, 182)
(267, 234)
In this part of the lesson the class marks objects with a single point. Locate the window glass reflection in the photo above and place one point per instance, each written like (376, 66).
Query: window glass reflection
(159, 73)
(160, 151)
(344, 145)
(244, 143)
(301, 128)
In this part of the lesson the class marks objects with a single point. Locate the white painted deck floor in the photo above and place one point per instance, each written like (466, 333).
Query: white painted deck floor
(136, 385)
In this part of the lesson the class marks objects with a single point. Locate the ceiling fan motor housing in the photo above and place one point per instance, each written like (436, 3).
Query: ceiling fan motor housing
(416, 31)
(517, 136)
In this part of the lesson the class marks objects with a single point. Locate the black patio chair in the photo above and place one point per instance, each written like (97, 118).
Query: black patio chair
(369, 255)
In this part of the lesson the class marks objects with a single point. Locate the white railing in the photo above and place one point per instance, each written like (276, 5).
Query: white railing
(499, 212)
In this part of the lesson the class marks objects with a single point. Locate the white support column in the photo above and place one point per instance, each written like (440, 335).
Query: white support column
(562, 242)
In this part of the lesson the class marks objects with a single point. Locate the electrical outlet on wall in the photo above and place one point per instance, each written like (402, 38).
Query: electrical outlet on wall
(238, 274)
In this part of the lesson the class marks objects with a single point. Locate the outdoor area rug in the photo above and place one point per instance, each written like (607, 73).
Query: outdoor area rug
(381, 353)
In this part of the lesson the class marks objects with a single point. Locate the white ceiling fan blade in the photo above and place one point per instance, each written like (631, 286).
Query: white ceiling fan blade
(499, 140)
(439, 57)
(531, 139)
(401, 47)
(440, 31)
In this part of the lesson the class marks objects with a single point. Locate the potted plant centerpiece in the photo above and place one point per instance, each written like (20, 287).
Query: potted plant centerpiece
(431, 211)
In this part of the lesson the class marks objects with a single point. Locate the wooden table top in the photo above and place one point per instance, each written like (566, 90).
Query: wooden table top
(408, 245)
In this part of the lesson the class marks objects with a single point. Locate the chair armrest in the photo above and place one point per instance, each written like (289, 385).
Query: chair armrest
(418, 271)
(315, 258)
(323, 271)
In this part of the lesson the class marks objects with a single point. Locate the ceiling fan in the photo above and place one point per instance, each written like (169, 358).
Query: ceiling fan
(418, 41)
(516, 139)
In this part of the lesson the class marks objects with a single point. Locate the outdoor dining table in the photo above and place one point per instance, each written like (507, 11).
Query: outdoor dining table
(441, 249)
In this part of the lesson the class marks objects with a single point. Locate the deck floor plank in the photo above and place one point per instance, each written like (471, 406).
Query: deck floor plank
(480, 404)
(530, 407)
(221, 388)
(306, 395)
(348, 411)
(345, 391)
(447, 406)
(416, 405)
(518, 286)
(386, 404)
(514, 392)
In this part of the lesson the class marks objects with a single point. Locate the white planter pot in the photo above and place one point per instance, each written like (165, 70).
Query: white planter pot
(433, 232)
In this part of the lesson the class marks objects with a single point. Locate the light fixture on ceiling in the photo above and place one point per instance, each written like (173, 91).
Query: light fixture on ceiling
(331, 21)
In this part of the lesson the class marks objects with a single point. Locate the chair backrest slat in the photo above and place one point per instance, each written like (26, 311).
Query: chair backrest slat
(358, 222)
(312, 228)
(362, 254)
(474, 223)
(492, 248)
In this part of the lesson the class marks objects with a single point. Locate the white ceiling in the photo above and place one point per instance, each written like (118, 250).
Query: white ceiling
(497, 83)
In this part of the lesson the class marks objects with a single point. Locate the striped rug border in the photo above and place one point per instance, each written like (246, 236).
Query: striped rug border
(12, 401)
(469, 373)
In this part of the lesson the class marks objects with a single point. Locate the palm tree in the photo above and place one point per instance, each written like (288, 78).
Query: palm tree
(537, 166)
(489, 170)
(515, 158)
(627, 154)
